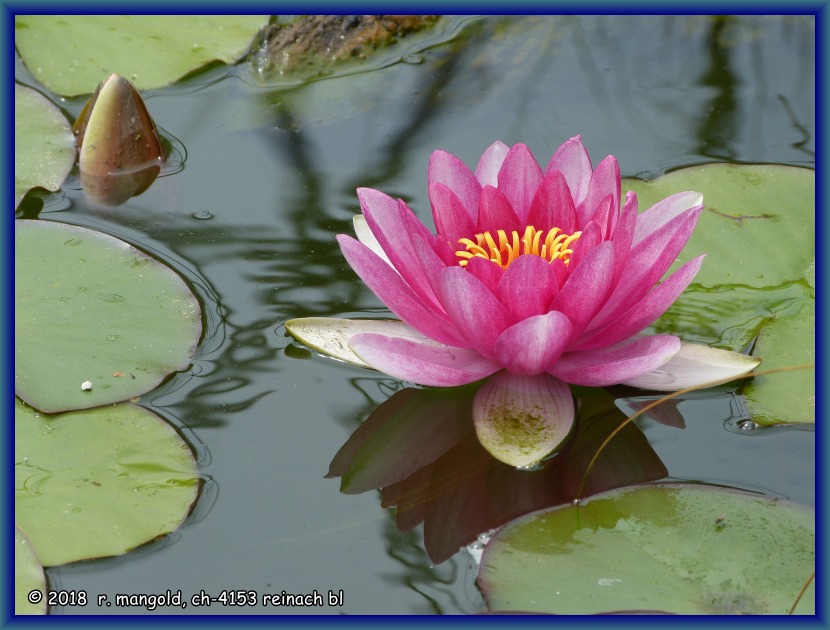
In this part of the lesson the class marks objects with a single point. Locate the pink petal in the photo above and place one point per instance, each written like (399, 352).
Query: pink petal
(488, 272)
(590, 239)
(527, 287)
(487, 171)
(586, 289)
(533, 345)
(616, 364)
(365, 236)
(393, 224)
(664, 211)
(422, 363)
(520, 419)
(604, 181)
(450, 216)
(445, 168)
(571, 159)
(623, 233)
(496, 213)
(645, 312)
(552, 206)
(647, 263)
(393, 291)
(696, 365)
(474, 310)
(606, 216)
(519, 178)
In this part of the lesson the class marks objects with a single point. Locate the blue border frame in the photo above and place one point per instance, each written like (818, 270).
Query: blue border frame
(817, 8)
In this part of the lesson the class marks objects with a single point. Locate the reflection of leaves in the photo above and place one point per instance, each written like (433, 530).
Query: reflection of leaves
(99, 482)
(641, 547)
(90, 307)
(457, 489)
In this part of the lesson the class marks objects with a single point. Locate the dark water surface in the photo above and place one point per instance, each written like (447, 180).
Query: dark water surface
(269, 180)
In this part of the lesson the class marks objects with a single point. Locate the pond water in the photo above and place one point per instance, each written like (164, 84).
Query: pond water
(269, 178)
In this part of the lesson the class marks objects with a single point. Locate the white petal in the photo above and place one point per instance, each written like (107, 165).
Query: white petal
(696, 365)
(330, 335)
(520, 419)
(365, 236)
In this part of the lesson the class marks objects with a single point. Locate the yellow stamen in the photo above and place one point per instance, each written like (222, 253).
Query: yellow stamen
(556, 245)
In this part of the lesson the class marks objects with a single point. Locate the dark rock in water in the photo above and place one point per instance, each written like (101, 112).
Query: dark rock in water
(314, 43)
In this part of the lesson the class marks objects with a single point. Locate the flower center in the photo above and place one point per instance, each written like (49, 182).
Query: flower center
(555, 244)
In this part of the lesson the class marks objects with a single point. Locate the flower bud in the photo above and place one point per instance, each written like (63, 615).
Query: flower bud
(120, 151)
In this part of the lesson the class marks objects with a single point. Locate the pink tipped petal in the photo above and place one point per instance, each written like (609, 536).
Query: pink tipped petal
(664, 211)
(590, 239)
(623, 233)
(647, 263)
(616, 364)
(520, 419)
(424, 363)
(527, 287)
(519, 178)
(495, 213)
(696, 365)
(586, 289)
(533, 345)
(365, 236)
(394, 224)
(450, 216)
(552, 206)
(474, 310)
(571, 159)
(604, 181)
(645, 312)
(393, 291)
(606, 216)
(445, 168)
(487, 171)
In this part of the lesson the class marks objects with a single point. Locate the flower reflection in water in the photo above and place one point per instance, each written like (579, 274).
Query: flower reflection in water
(420, 449)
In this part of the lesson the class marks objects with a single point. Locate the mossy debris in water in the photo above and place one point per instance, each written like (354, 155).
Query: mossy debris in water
(315, 43)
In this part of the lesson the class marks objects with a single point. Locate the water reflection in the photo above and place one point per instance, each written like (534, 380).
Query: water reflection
(420, 449)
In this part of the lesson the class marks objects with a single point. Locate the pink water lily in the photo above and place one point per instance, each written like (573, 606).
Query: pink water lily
(530, 271)
(539, 273)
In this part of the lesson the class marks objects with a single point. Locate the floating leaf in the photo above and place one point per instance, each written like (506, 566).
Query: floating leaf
(92, 308)
(28, 577)
(786, 397)
(641, 549)
(121, 152)
(758, 231)
(99, 482)
(71, 53)
(44, 147)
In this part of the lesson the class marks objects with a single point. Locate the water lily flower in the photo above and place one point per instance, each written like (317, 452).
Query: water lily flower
(531, 272)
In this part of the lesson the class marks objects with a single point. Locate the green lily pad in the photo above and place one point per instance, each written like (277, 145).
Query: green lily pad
(44, 147)
(640, 548)
(758, 233)
(28, 577)
(99, 482)
(786, 397)
(71, 54)
(96, 320)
